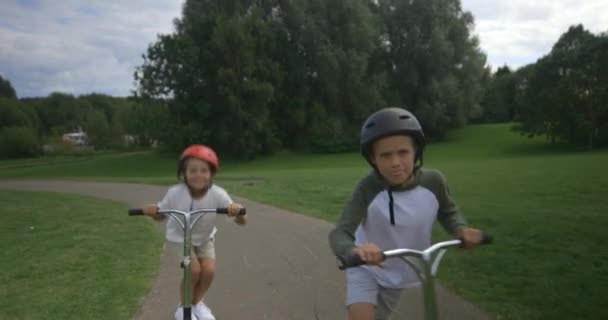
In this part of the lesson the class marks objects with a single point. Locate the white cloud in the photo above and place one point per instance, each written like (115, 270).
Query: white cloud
(79, 47)
(519, 32)
(84, 46)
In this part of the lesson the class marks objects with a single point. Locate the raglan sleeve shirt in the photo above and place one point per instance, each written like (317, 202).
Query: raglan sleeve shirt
(342, 237)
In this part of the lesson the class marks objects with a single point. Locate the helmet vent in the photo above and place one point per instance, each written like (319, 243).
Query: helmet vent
(404, 117)
(370, 125)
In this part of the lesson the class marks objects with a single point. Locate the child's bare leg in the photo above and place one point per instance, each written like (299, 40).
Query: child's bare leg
(361, 311)
(195, 268)
(207, 273)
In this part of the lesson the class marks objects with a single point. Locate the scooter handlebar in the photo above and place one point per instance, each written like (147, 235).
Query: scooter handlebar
(136, 212)
(242, 211)
(140, 211)
(486, 238)
(353, 260)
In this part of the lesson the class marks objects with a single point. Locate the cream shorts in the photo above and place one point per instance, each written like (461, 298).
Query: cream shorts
(206, 250)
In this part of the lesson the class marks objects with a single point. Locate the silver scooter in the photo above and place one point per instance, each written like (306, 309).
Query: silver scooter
(427, 269)
(189, 220)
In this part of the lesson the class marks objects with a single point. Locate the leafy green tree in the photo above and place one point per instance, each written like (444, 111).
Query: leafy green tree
(6, 89)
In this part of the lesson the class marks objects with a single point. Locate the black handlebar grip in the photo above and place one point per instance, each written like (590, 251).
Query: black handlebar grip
(242, 212)
(486, 238)
(350, 261)
(136, 212)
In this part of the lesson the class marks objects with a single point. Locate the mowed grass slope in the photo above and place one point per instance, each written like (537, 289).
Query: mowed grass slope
(546, 207)
(73, 257)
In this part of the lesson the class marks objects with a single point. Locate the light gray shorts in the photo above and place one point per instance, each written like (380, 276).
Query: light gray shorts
(362, 287)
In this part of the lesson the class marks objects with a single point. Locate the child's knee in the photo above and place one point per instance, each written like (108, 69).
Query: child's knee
(206, 275)
(195, 270)
(207, 268)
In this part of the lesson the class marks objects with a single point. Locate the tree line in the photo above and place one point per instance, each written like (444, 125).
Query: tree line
(29, 123)
(563, 96)
(252, 77)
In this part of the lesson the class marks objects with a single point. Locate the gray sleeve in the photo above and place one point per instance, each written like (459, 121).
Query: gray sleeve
(342, 237)
(449, 215)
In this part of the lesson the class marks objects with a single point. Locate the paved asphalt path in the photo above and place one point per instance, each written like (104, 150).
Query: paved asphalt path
(278, 267)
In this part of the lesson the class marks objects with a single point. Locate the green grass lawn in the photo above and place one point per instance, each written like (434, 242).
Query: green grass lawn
(546, 207)
(57, 159)
(73, 257)
(113, 166)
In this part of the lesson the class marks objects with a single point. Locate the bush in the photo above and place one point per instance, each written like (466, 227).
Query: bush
(16, 142)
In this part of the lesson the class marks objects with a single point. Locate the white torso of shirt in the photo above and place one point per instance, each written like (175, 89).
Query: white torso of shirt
(415, 211)
(178, 198)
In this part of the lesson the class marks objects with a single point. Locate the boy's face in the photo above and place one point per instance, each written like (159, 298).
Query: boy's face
(198, 173)
(394, 156)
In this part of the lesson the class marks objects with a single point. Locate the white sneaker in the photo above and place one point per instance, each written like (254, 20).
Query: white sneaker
(179, 313)
(202, 311)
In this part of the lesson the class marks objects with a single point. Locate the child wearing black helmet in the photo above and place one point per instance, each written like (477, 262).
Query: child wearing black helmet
(394, 206)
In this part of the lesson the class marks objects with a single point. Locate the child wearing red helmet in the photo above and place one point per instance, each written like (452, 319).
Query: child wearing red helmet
(196, 169)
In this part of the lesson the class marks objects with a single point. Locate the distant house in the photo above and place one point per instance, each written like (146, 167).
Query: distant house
(78, 138)
(128, 140)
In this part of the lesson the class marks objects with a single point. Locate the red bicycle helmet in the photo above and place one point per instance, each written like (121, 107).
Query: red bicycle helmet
(201, 152)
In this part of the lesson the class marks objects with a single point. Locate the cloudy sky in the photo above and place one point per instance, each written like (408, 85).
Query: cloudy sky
(82, 46)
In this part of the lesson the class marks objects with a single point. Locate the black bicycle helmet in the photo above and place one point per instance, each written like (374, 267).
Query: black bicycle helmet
(389, 122)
